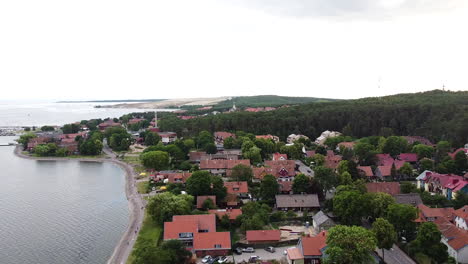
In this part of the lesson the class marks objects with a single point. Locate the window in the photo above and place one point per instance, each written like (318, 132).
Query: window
(185, 235)
(217, 246)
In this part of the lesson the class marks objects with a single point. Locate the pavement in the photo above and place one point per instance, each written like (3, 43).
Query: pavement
(395, 256)
(306, 170)
(263, 254)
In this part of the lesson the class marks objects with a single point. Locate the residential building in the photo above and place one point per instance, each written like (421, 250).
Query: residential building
(309, 250)
(321, 221)
(297, 202)
(455, 239)
(278, 156)
(212, 243)
(263, 236)
(283, 170)
(345, 145)
(413, 139)
(167, 137)
(219, 167)
(325, 135)
(220, 136)
(411, 158)
(428, 214)
(293, 137)
(274, 138)
(108, 123)
(444, 184)
(366, 172)
(461, 217)
(392, 188)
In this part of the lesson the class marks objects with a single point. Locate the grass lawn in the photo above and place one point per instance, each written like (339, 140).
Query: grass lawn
(142, 187)
(132, 160)
(149, 231)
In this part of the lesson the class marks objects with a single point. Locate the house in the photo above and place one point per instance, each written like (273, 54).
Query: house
(309, 250)
(392, 188)
(461, 217)
(37, 141)
(444, 184)
(321, 221)
(202, 198)
(198, 233)
(326, 134)
(455, 239)
(279, 156)
(384, 172)
(332, 160)
(411, 158)
(196, 156)
(413, 199)
(220, 136)
(167, 137)
(108, 123)
(239, 188)
(285, 187)
(219, 167)
(183, 117)
(175, 176)
(384, 160)
(428, 214)
(366, 171)
(297, 202)
(212, 243)
(283, 170)
(231, 213)
(293, 138)
(274, 138)
(263, 236)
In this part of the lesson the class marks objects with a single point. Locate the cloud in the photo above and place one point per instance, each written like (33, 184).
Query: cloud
(354, 9)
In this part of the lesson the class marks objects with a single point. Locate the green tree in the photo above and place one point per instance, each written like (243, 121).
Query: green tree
(70, 128)
(158, 160)
(428, 242)
(301, 183)
(442, 148)
(460, 200)
(229, 143)
(47, 128)
(345, 178)
(342, 167)
(423, 151)
(349, 206)
(25, 138)
(199, 183)
(269, 187)
(402, 217)
(41, 150)
(395, 145)
(461, 162)
(385, 234)
(318, 160)
(253, 154)
(163, 206)
(408, 187)
(211, 148)
(208, 204)
(426, 164)
(204, 138)
(151, 138)
(217, 188)
(326, 177)
(241, 172)
(350, 244)
(378, 204)
(406, 170)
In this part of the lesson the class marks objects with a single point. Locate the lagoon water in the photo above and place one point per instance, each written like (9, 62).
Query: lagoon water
(59, 211)
(50, 113)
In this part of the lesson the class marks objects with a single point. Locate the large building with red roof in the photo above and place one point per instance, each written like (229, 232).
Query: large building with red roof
(263, 236)
(444, 184)
(220, 167)
(309, 250)
(392, 188)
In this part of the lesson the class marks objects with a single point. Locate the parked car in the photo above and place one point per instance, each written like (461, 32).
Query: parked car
(253, 259)
(222, 259)
(214, 260)
(206, 259)
(270, 249)
(249, 250)
(238, 251)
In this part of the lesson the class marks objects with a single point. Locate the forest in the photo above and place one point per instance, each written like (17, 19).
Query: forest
(437, 115)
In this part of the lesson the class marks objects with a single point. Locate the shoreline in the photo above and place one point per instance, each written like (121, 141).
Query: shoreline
(125, 245)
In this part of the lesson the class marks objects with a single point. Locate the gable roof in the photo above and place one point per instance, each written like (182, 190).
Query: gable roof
(280, 168)
(456, 238)
(236, 187)
(212, 240)
(202, 198)
(385, 170)
(263, 235)
(222, 164)
(440, 213)
(408, 157)
(279, 156)
(205, 222)
(223, 135)
(367, 170)
(313, 246)
(297, 200)
(391, 188)
(320, 218)
(173, 229)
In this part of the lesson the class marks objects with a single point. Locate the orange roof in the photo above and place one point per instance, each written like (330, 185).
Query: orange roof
(456, 238)
(294, 253)
(279, 156)
(231, 199)
(205, 222)
(212, 240)
(263, 235)
(173, 229)
(231, 213)
(236, 187)
(391, 188)
(367, 170)
(312, 246)
(426, 212)
(223, 135)
(222, 164)
(462, 212)
(177, 177)
(201, 199)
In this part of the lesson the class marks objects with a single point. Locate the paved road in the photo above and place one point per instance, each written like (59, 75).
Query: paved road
(304, 169)
(395, 256)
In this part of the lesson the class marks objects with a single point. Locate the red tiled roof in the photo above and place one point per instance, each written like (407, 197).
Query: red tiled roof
(201, 199)
(231, 213)
(135, 121)
(263, 235)
(280, 168)
(177, 177)
(212, 240)
(462, 212)
(332, 161)
(285, 186)
(367, 170)
(279, 156)
(294, 253)
(312, 246)
(385, 170)
(173, 229)
(205, 222)
(422, 140)
(274, 138)
(236, 187)
(456, 238)
(391, 188)
(231, 199)
(426, 212)
(223, 135)
(222, 164)
(384, 160)
(408, 157)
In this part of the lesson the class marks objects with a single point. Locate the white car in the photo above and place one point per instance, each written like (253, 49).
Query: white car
(206, 259)
(222, 259)
(249, 250)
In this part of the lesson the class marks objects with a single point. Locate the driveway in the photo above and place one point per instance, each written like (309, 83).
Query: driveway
(263, 254)
(395, 256)
(306, 170)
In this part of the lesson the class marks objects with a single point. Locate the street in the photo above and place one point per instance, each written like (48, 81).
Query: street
(395, 256)
(304, 169)
(263, 254)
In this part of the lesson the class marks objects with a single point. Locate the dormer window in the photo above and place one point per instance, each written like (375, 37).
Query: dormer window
(217, 246)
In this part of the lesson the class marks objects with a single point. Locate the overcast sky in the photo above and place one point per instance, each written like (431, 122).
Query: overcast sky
(97, 49)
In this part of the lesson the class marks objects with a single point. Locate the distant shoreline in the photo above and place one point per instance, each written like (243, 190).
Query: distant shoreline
(113, 101)
(125, 244)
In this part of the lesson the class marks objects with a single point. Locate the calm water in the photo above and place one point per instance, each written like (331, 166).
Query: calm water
(38, 114)
(59, 212)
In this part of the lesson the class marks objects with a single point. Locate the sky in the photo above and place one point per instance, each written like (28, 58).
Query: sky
(113, 49)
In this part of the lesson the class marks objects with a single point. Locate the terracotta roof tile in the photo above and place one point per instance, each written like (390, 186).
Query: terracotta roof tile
(391, 188)
(212, 240)
(313, 246)
(263, 235)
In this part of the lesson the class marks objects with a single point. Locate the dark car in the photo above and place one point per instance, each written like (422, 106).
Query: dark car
(238, 251)
(270, 249)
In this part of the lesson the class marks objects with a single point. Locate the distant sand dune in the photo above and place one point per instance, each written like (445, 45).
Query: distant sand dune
(171, 103)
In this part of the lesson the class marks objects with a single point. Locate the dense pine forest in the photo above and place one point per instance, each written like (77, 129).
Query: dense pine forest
(437, 115)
